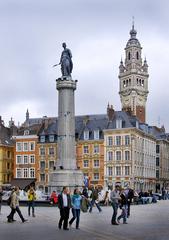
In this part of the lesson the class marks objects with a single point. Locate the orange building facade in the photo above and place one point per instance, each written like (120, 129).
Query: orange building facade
(25, 155)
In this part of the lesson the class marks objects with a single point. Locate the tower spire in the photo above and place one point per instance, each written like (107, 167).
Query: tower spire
(132, 22)
(133, 32)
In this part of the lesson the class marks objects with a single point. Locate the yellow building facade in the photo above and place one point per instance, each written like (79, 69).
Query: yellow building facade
(6, 164)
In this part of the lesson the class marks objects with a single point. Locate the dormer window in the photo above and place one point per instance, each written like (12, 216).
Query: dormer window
(86, 135)
(51, 138)
(137, 124)
(42, 139)
(118, 123)
(26, 132)
(96, 134)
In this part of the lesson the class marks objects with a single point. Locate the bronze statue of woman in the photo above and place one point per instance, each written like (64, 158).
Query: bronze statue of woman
(66, 62)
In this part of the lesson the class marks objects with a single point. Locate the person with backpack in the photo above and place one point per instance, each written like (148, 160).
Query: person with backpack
(94, 197)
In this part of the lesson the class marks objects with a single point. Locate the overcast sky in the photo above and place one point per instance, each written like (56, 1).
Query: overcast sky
(96, 31)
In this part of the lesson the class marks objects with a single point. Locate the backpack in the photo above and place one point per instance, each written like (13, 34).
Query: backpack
(84, 205)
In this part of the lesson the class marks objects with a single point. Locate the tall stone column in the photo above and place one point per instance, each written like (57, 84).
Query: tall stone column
(66, 173)
(66, 124)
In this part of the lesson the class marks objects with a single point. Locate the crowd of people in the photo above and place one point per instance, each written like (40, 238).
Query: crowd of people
(119, 198)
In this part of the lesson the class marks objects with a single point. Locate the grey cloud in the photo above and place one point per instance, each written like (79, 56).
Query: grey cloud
(96, 31)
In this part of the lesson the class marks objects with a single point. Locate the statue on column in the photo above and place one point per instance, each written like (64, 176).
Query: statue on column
(66, 62)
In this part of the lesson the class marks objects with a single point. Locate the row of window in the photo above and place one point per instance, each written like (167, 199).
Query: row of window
(25, 159)
(96, 149)
(43, 164)
(126, 83)
(50, 151)
(96, 134)
(25, 146)
(118, 171)
(96, 163)
(118, 140)
(140, 82)
(50, 138)
(118, 156)
(136, 55)
(25, 173)
(45, 177)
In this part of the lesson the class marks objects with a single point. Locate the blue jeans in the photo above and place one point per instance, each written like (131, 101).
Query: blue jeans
(97, 205)
(115, 208)
(76, 215)
(31, 204)
(123, 214)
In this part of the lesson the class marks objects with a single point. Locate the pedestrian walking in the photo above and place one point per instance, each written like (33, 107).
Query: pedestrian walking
(115, 197)
(15, 206)
(64, 204)
(76, 205)
(130, 195)
(123, 207)
(1, 194)
(31, 201)
(94, 197)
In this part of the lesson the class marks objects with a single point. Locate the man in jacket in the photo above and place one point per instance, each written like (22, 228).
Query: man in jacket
(94, 196)
(64, 204)
(115, 197)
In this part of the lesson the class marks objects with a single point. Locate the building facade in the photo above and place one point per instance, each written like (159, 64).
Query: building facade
(25, 153)
(6, 152)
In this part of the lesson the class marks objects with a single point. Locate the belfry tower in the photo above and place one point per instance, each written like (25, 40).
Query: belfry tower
(133, 79)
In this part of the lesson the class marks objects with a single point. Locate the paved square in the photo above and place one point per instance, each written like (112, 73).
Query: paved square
(148, 222)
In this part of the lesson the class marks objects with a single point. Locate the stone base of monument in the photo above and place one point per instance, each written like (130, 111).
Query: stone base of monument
(69, 178)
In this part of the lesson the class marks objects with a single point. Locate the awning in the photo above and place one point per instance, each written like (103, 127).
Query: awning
(22, 183)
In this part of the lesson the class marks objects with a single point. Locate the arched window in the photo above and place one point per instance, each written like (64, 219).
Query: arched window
(137, 81)
(129, 56)
(142, 84)
(129, 81)
(137, 55)
(124, 83)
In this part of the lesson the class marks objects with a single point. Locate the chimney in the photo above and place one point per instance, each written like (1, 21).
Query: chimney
(110, 112)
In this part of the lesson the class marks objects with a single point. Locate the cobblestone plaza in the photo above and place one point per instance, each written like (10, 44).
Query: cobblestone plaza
(148, 222)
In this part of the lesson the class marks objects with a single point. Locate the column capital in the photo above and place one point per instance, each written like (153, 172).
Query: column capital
(67, 84)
